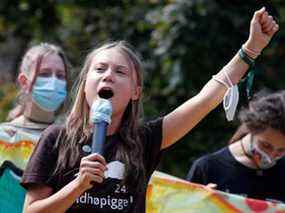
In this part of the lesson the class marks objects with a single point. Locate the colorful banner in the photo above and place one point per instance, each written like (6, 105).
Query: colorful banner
(168, 194)
(12, 195)
(16, 146)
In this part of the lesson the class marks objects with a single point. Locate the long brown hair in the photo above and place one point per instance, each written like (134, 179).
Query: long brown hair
(77, 124)
(263, 111)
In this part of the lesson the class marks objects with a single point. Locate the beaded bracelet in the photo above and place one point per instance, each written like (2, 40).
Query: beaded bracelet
(248, 60)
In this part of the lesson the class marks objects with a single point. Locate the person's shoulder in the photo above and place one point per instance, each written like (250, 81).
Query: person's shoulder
(149, 124)
(52, 129)
(151, 127)
(55, 128)
(198, 169)
(51, 133)
(220, 153)
(202, 161)
(212, 157)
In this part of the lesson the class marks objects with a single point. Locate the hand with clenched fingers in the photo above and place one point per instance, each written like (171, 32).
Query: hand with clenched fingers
(262, 28)
(92, 168)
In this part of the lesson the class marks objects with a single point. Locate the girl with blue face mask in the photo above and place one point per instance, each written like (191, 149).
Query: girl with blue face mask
(253, 164)
(43, 82)
(44, 89)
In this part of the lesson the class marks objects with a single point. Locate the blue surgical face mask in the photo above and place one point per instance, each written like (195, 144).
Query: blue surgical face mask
(49, 93)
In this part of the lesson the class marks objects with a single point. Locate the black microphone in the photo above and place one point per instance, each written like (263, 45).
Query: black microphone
(101, 112)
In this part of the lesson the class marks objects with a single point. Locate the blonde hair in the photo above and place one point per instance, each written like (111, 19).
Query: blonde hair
(35, 55)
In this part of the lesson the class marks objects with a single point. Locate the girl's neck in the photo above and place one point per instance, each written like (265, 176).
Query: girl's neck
(240, 151)
(36, 114)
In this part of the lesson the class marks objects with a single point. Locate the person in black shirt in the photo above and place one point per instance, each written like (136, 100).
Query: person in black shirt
(253, 165)
(63, 175)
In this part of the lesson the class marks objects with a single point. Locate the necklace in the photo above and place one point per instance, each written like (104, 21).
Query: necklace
(259, 171)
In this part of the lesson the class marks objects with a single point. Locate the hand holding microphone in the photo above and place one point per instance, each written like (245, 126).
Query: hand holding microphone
(93, 166)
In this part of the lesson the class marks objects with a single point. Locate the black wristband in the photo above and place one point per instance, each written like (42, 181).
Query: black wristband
(248, 60)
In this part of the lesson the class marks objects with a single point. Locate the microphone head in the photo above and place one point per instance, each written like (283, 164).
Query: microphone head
(101, 110)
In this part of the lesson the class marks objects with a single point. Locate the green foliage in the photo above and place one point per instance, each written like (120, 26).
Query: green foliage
(8, 94)
(192, 40)
(182, 43)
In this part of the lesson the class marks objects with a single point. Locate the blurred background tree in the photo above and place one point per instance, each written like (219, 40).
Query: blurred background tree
(182, 43)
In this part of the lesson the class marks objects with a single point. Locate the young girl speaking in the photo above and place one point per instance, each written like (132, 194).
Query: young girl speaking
(64, 176)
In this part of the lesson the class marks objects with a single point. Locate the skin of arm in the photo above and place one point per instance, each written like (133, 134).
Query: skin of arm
(180, 121)
(40, 198)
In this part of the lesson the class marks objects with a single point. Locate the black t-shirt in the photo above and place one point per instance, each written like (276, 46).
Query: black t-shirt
(231, 176)
(109, 196)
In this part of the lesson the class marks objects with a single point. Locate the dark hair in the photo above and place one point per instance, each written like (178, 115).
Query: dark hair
(263, 111)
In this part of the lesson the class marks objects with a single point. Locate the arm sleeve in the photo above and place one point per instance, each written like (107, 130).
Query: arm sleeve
(152, 139)
(40, 168)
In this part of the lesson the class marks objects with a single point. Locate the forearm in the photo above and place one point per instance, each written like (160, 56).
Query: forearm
(184, 118)
(213, 92)
(58, 202)
(199, 106)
